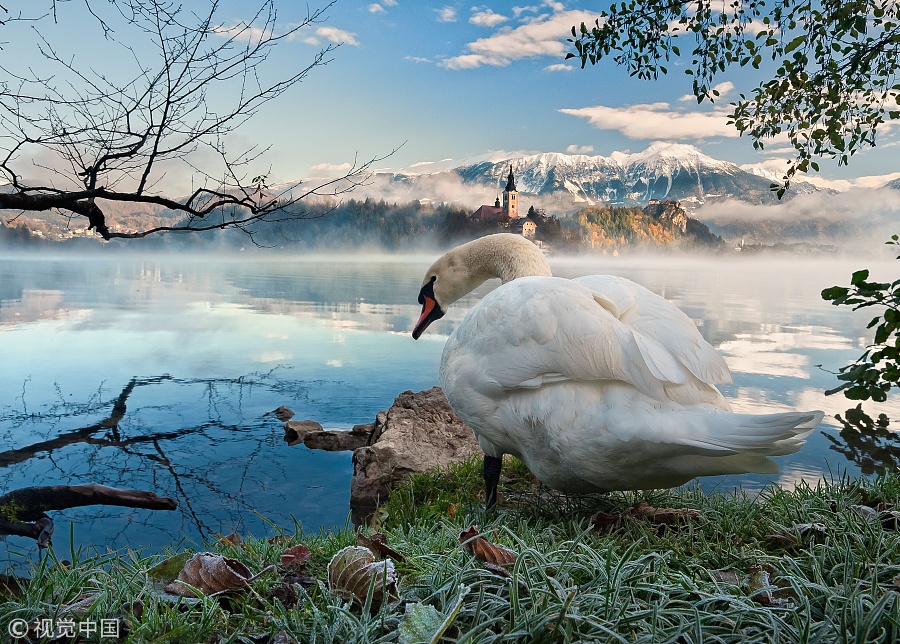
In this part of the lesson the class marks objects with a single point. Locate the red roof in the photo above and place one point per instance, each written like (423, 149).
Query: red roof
(488, 212)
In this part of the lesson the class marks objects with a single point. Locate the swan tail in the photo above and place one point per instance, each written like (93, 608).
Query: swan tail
(759, 435)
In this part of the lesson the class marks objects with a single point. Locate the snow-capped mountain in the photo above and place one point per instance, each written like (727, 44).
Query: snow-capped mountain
(662, 171)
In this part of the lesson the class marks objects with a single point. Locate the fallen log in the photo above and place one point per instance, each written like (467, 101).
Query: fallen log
(23, 511)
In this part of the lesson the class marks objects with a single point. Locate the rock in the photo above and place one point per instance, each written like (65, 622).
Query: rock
(283, 413)
(420, 432)
(295, 431)
(336, 440)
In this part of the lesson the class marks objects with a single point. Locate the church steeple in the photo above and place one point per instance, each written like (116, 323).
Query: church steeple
(510, 181)
(510, 197)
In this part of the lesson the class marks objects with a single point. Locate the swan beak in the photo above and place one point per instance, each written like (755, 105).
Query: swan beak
(431, 311)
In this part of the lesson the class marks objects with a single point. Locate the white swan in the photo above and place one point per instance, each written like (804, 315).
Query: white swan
(596, 383)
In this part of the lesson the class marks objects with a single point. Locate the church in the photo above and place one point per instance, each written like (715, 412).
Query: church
(518, 224)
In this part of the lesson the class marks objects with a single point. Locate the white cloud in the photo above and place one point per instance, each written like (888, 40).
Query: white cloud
(241, 32)
(389, 3)
(857, 204)
(580, 149)
(418, 59)
(332, 35)
(518, 11)
(487, 18)
(331, 167)
(376, 8)
(657, 121)
(545, 36)
(723, 90)
(558, 67)
(446, 14)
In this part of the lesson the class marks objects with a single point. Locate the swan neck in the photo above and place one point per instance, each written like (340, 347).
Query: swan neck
(508, 258)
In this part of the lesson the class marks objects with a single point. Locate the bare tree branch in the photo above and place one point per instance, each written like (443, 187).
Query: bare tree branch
(103, 138)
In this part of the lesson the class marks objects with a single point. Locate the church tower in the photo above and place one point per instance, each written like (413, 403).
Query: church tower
(511, 197)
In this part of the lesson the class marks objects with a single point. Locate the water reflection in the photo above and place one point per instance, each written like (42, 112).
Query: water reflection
(867, 442)
(159, 373)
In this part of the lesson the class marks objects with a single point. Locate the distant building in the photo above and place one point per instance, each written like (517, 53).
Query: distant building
(523, 226)
(509, 209)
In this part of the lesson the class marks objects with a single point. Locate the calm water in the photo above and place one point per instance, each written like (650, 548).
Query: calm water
(201, 350)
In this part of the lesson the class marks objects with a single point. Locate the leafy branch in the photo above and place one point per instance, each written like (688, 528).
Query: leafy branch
(877, 370)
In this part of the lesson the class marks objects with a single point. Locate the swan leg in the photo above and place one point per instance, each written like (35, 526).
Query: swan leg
(491, 472)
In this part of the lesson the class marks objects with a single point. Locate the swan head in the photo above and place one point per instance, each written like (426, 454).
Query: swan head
(462, 269)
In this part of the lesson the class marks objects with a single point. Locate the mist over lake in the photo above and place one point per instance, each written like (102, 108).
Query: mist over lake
(202, 349)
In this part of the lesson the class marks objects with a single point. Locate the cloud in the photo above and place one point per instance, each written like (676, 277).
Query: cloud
(332, 35)
(487, 18)
(558, 67)
(775, 169)
(545, 36)
(331, 167)
(446, 14)
(376, 8)
(657, 121)
(580, 149)
(518, 11)
(856, 204)
(418, 59)
(389, 3)
(722, 88)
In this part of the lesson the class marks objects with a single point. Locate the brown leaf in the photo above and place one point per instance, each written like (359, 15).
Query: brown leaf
(663, 516)
(233, 539)
(296, 556)
(497, 570)
(210, 574)
(485, 551)
(727, 577)
(377, 543)
(605, 523)
(281, 539)
(353, 569)
(768, 591)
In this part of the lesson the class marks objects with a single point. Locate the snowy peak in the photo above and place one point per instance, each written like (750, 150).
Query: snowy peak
(663, 171)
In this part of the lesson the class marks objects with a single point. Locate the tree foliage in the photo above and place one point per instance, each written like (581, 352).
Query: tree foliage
(835, 64)
(78, 132)
(877, 370)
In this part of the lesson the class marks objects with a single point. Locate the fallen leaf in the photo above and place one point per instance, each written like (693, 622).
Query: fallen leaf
(865, 512)
(377, 543)
(167, 570)
(452, 509)
(233, 539)
(210, 574)
(663, 516)
(767, 592)
(485, 551)
(280, 539)
(354, 569)
(727, 577)
(605, 523)
(296, 556)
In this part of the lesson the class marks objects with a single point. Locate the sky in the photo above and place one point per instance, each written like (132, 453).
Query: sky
(424, 85)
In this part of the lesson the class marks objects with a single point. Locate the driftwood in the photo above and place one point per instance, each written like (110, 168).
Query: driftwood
(22, 511)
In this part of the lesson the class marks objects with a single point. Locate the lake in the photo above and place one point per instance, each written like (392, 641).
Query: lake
(203, 349)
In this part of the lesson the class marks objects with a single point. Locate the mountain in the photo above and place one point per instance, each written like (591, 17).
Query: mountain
(663, 171)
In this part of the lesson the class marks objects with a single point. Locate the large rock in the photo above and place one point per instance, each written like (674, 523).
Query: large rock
(420, 432)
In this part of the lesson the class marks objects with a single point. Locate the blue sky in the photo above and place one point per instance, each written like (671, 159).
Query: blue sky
(456, 80)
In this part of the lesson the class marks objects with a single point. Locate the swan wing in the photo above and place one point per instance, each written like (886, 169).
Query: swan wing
(539, 330)
(656, 323)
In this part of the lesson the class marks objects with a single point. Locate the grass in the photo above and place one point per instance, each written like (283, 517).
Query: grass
(804, 565)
